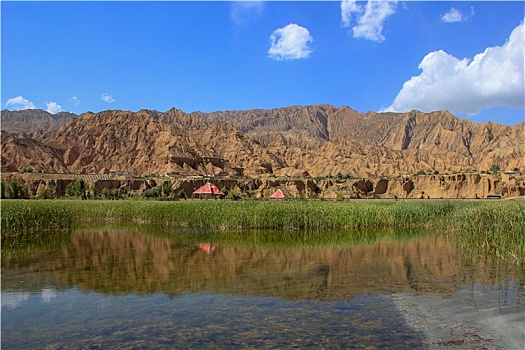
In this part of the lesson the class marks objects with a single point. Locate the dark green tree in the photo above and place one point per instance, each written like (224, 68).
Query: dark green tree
(80, 189)
(12, 189)
(44, 192)
(115, 194)
(167, 187)
(70, 189)
(181, 194)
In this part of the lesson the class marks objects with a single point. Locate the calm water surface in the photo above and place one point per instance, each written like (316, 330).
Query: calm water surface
(148, 289)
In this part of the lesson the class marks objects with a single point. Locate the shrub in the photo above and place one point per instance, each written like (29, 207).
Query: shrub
(115, 194)
(235, 193)
(495, 168)
(77, 189)
(44, 193)
(167, 187)
(153, 192)
(12, 189)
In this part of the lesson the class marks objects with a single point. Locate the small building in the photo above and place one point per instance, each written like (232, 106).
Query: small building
(279, 194)
(208, 189)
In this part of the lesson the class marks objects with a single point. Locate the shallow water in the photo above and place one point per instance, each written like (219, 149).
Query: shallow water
(128, 288)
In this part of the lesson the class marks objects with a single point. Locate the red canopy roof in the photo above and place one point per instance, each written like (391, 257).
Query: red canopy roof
(209, 188)
(279, 194)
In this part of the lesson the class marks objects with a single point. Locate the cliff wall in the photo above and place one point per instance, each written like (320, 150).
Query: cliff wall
(422, 186)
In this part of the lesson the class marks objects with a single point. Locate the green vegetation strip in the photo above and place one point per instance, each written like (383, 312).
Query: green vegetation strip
(495, 226)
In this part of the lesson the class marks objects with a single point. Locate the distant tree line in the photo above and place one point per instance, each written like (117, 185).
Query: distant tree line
(12, 189)
(81, 189)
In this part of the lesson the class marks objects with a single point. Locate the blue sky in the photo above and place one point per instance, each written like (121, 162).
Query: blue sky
(466, 57)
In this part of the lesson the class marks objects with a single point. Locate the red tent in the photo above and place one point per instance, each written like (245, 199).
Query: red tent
(210, 189)
(279, 194)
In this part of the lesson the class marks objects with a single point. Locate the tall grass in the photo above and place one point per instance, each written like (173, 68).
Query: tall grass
(494, 229)
(494, 226)
(34, 215)
(472, 216)
(36, 220)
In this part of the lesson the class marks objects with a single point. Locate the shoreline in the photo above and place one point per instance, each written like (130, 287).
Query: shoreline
(466, 319)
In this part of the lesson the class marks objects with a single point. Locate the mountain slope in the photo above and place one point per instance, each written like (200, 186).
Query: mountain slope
(318, 140)
(32, 120)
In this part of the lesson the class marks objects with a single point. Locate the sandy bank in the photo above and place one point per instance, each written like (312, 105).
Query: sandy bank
(480, 317)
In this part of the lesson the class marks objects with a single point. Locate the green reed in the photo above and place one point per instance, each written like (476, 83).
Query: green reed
(300, 239)
(23, 215)
(20, 216)
(497, 227)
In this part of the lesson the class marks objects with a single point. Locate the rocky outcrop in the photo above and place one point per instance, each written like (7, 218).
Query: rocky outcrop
(19, 153)
(416, 187)
(33, 120)
(315, 141)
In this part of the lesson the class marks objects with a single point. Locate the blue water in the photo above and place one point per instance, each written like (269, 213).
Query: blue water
(70, 319)
(125, 290)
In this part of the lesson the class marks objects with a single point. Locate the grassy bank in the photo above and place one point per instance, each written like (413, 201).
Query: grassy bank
(19, 215)
(497, 226)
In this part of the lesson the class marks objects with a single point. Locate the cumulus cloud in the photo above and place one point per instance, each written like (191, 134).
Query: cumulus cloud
(242, 12)
(492, 78)
(369, 19)
(290, 43)
(454, 15)
(18, 103)
(107, 98)
(75, 100)
(53, 107)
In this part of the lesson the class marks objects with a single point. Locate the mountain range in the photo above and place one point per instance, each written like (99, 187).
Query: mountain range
(316, 140)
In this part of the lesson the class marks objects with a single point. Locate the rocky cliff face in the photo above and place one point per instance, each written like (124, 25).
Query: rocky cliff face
(33, 120)
(296, 141)
(414, 187)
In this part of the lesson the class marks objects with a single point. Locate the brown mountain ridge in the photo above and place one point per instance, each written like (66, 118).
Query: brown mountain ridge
(317, 140)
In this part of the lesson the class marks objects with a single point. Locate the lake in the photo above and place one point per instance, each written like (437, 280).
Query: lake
(146, 287)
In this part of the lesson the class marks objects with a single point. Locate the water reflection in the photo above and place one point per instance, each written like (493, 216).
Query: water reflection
(105, 288)
(130, 262)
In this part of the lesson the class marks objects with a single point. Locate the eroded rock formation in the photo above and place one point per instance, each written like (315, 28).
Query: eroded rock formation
(423, 186)
(314, 141)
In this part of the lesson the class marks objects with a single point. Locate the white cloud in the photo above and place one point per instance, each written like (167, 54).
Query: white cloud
(243, 12)
(454, 15)
(347, 8)
(75, 100)
(369, 20)
(18, 103)
(494, 77)
(53, 107)
(290, 43)
(107, 98)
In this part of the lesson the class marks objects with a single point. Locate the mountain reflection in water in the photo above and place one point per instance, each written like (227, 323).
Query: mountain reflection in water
(149, 289)
(123, 262)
